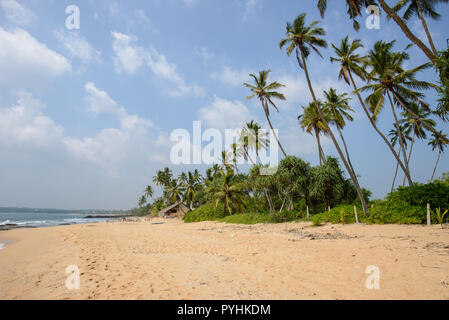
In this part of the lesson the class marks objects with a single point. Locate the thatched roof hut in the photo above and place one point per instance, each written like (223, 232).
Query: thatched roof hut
(177, 210)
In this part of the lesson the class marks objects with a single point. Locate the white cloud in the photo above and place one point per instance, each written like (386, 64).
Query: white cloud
(232, 77)
(105, 149)
(77, 46)
(297, 92)
(17, 14)
(99, 101)
(27, 128)
(204, 54)
(140, 18)
(26, 125)
(224, 114)
(129, 58)
(250, 7)
(26, 61)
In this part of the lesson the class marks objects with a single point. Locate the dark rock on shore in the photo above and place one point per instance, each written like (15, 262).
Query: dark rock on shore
(7, 227)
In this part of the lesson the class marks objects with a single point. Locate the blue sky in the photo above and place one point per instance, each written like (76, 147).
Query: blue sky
(86, 115)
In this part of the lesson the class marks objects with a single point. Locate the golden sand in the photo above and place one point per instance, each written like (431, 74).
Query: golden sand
(210, 260)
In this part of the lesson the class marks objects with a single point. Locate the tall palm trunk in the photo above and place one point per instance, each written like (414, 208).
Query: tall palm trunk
(271, 126)
(346, 148)
(406, 30)
(348, 168)
(320, 151)
(426, 28)
(396, 172)
(415, 116)
(436, 165)
(245, 151)
(373, 123)
(398, 128)
(410, 154)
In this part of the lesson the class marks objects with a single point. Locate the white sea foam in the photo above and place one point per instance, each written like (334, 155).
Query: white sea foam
(4, 223)
(2, 245)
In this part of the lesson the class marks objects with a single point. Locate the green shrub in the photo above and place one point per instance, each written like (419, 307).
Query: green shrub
(339, 214)
(249, 218)
(383, 212)
(436, 194)
(205, 213)
(388, 212)
(292, 215)
(255, 205)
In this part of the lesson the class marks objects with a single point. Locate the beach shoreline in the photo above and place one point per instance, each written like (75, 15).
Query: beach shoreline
(168, 259)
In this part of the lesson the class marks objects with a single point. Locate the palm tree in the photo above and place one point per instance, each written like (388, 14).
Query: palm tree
(406, 30)
(302, 38)
(395, 83)
(351, 63)
(394, 134)
(175, 191)
(415, 127)
(191, 187)
(163, 179)
(337, 107)
(354, 9)
(420, 8)
(438, 142)
(245, 146)
(226, 166)
(227, 191)
(310, 122)
(266, 94)
(235, 150)
(142, 201)
(149, 192)
(257, 139)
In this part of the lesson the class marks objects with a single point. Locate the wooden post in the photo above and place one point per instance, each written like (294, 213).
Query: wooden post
(429, 221)
(356, 215)
(308, 214)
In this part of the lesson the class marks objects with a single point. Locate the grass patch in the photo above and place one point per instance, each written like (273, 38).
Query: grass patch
(249, 218)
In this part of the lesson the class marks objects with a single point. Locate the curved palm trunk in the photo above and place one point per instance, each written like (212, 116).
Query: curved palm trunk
(346, 148)
(426, 28)
(395, 173)
(415, 116)
(398, 128)
(248, 156)
(320, 151)
(373, 123)
(410, 154)
(258, 157)
(348, 168)
(274, 133)
(406, 30)
(436, 165)
(236, 168)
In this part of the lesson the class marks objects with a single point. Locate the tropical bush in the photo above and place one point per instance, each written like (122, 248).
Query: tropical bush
(436, 194)
(249, 218)
(382, 213)
(205, 212)
(340, 214)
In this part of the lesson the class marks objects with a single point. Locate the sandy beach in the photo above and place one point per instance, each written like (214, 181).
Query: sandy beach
(173, 260)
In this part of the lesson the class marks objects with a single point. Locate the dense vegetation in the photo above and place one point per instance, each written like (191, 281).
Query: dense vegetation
(383, 79)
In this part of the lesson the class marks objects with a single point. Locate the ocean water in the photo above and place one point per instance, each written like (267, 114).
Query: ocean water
(39, 220)
(30, 219)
